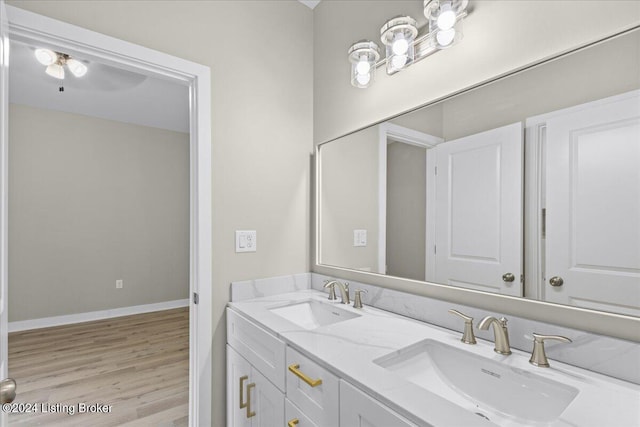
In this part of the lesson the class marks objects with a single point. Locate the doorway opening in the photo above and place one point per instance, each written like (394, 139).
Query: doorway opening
(95, 48)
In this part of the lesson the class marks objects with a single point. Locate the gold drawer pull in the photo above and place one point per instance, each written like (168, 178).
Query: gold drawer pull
(250, 413)
(243, 404)
(293, 422)
(296, 370)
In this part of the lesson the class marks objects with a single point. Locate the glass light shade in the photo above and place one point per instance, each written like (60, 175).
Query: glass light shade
(444, 14)
(447, 17)
(398, 35)
(46, 56)
(55, 70)
(443, 39)
(363, 56)
(77, 68)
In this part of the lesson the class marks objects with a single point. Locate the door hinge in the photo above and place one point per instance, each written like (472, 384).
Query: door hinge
(196, 298)
(543, 224)
(434, 249)
(435, 172)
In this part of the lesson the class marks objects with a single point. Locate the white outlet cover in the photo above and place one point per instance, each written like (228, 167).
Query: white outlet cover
(359, 238)
(246, 240)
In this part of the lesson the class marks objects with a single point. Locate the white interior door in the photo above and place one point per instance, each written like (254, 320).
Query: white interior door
(479, 211)
(593, 206)
(4, 105)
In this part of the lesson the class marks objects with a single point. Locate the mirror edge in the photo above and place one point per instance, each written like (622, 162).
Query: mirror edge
(598, 322)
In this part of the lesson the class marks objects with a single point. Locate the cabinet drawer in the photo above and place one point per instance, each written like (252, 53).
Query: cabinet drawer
(359, 409)
(319, 402)
(259, 347)
(293, 414)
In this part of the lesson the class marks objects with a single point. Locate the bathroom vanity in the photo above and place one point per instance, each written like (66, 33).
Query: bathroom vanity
(299, 359)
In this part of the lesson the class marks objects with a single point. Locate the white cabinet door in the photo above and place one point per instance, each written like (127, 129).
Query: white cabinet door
(238, 378)
(252, 400)
(359, 410)
(593, 206)
(479, 211)
(266, 401)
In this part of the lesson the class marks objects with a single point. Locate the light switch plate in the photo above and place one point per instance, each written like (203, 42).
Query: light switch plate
(359, 238)
(246, 240)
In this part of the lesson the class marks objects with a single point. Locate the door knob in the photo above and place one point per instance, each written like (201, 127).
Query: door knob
(7, 390)
(556, 281)
(508, 277)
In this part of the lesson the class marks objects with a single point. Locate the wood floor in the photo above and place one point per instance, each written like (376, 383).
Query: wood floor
(137, 364)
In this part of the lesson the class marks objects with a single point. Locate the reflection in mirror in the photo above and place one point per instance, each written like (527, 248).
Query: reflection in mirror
(536, 176)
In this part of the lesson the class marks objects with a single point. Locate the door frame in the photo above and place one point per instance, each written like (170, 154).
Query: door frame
(24, 25)
(405, 135)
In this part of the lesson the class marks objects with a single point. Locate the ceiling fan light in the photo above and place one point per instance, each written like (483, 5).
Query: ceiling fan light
(77, 68)
(46, 56)
(55, 70)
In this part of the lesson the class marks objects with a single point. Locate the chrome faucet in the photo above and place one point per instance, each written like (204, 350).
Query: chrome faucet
(500, 332)
(342, 287)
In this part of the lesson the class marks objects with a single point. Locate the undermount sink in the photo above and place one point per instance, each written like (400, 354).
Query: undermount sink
(312, 314)
(491, 389)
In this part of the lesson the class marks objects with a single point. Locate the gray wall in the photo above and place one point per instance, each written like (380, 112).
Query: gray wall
(92, 201)
(262, 125)
(406, 213)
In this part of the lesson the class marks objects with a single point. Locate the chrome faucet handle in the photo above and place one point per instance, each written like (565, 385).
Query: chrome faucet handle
(468, 336)
(538, 355)
(331, 284)
(357, 298)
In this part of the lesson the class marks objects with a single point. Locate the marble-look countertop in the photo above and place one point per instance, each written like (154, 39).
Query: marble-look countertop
(349, 348)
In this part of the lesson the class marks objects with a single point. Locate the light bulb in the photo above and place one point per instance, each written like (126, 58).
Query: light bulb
(46, 56)
(77, 68)
(445, 38)
(363, 66)
(400, 46)
(399, 61)
(363, 79)
(446, 17)
(55, 70)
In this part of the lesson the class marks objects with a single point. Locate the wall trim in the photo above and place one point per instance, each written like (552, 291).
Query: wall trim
(68, 319)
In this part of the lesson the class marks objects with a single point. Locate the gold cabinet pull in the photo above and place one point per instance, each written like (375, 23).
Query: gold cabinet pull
(296, 370)
(243, 378)
(250, 413)
(293, 422)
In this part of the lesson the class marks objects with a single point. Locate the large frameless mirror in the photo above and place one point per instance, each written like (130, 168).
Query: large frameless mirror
(527, 186)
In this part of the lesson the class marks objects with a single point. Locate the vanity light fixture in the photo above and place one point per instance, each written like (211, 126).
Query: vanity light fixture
(445, 21)
(55, 62)
(403, 42)
(364, 56)
(398, 35)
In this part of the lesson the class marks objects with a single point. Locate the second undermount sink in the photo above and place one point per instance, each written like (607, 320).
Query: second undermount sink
(492, 389)
(312, 314)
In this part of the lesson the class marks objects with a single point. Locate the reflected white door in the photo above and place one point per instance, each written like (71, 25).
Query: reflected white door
(4, 105)
(479, 211)
(593, 206)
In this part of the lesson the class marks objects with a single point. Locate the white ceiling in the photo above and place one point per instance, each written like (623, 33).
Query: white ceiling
(105, 92)
(310, 3)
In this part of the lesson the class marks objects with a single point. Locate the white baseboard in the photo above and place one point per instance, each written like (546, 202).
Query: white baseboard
(46, 322)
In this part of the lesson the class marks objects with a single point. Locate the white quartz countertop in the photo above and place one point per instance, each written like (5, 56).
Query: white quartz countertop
(349, 348)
